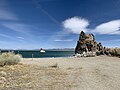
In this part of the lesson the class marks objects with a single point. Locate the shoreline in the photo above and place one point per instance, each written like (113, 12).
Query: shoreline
(71, 57)
(67, 61)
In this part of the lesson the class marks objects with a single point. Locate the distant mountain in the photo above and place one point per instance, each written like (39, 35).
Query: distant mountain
(61, 49)
(54, 49)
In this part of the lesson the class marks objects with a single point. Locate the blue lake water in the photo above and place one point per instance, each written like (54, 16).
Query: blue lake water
(47, 54)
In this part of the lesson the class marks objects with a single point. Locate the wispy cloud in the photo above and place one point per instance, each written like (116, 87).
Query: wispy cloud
(77, 24)
(65, 40)
(7, 15)
(46, 0)
(10, 37)
(111, 27)
(5, 12)
(21, 38)
(114, 40)
(18, 27)
(4, 35)
(39, 6)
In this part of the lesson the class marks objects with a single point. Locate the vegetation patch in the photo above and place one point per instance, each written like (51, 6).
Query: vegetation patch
(9, 58)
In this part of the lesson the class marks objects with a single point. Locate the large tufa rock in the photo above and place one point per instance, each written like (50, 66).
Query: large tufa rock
(87, 46)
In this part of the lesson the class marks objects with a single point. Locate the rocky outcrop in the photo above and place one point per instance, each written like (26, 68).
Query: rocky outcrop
(112, 51)
(87, 45)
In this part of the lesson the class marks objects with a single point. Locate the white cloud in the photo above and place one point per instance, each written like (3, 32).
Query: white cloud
(76, 24)
(21, 38)
(66, 40)
(111, 27)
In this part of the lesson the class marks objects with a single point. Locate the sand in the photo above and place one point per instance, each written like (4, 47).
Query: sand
(90, 73)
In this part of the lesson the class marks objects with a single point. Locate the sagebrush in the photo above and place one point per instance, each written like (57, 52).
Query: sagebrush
(9, 58)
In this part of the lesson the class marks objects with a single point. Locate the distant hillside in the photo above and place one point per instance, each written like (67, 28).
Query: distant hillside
(55, 49)
(61, 49)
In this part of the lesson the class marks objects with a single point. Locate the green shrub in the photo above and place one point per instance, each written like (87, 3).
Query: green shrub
(9, 59)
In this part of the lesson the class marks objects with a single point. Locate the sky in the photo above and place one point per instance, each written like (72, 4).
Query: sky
(34, 24)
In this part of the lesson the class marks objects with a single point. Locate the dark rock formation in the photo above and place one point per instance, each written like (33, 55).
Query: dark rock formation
(112, 51)
(87, 43)
(87, 46)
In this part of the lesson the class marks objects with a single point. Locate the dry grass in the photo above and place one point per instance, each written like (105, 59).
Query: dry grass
(9, 59)
(95, 73)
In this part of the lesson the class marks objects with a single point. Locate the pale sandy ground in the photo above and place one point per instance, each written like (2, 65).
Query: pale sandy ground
(91, 73)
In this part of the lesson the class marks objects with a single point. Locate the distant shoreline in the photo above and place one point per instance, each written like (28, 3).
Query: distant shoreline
(64, 49)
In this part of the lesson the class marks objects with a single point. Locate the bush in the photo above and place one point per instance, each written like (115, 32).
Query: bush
(9, 59)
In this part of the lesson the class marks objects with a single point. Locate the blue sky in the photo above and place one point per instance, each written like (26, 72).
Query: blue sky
(32, 24)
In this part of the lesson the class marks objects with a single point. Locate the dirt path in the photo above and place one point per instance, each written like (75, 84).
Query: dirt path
(95, 73)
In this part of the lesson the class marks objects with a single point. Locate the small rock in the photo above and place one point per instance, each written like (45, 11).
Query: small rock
(2, 80)
(54, 66)
(3, 74)
(12, 68)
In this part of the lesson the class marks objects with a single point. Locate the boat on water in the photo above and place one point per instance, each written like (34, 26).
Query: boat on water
(42, 50)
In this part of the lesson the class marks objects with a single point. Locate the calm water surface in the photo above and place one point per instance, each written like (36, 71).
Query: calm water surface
(47, 54)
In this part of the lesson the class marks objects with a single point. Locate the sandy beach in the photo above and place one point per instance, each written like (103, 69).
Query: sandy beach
(90, 73)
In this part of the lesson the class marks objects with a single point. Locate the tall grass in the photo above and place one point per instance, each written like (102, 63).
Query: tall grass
(9, 58)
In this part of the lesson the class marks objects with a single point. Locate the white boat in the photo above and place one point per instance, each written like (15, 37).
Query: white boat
(42, 51)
